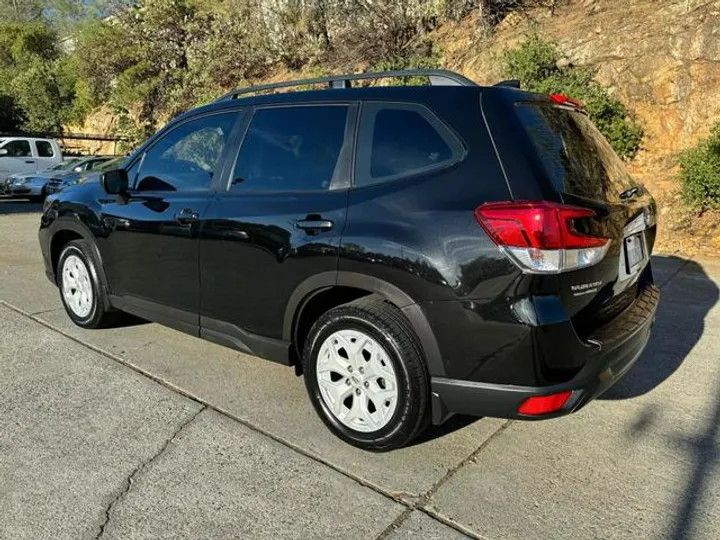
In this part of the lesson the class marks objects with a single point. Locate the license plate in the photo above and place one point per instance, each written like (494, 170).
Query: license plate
(634, 252)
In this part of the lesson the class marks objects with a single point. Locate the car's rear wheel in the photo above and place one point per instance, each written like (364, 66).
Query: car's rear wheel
(80, 287)
(366, 375)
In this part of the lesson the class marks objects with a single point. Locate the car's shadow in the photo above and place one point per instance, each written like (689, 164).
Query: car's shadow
(679, 325)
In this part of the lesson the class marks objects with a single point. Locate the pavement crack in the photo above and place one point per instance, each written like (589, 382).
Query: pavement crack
(128, 482)
(425, 499)
(396, 523)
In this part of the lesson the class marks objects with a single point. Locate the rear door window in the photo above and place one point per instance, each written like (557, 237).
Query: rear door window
(397, 140)
(574, 153)
(44, 149)
(299, 148)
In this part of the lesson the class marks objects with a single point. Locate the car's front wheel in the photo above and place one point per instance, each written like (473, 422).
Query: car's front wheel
(366, 375)
(80, 287)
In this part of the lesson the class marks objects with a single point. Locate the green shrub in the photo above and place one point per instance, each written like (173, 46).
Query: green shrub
(700, 173)
(535, 64)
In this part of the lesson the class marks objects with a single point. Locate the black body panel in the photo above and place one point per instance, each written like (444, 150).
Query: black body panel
(242, 270)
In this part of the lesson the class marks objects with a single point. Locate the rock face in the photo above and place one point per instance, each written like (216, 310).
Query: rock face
(661, 57)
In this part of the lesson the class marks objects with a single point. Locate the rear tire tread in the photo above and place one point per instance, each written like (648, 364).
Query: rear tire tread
(391, 322)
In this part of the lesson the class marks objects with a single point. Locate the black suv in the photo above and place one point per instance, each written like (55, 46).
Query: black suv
(414, 251)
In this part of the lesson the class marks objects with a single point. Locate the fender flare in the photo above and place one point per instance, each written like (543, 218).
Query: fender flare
(312, 286)
(74, 224)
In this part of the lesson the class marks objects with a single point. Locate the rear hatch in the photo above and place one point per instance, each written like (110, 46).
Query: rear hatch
(573, 164)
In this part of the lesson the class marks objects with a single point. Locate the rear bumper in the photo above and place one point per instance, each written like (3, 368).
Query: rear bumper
(615, 357)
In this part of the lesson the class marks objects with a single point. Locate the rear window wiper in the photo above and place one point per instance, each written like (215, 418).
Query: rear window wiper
(630, 193)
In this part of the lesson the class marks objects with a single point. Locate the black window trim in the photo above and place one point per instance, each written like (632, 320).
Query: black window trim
(342, 181)
(139, 157)
(363, 152)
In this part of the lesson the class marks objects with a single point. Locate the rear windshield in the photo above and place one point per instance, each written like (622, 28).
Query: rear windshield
(576, 156)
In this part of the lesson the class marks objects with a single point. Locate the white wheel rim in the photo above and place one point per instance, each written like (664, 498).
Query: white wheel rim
(357, 380)
(76, 286)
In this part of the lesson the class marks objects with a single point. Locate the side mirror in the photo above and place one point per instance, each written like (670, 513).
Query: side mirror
(77, 169)
(3, 151)
(115, 182)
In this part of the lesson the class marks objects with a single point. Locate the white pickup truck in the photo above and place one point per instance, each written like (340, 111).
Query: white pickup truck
(27, 154)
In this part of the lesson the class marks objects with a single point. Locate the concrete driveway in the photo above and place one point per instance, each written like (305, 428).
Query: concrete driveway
(144, 432)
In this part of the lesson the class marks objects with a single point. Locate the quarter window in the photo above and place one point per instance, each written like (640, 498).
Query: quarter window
(399, 140)
(187, 157)
(18, 148)
(44, 149)
(292, 149)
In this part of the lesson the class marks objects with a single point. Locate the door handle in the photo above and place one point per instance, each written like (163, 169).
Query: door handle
(29, 161)
(186, 216)
(314, 225)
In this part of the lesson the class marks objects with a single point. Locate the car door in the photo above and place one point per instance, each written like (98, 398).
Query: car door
(150, 252)
(45, 153)
(17, 158)
(280, 220)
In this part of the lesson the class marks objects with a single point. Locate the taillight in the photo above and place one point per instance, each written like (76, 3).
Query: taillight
(541, 237)
(562, 99)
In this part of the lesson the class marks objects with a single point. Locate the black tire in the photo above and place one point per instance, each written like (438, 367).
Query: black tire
(100, 315)
(386, 324)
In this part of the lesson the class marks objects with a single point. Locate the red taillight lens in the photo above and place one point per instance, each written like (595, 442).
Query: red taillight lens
(542, 225)
(542, 237)
(537, 405)
(562, 99)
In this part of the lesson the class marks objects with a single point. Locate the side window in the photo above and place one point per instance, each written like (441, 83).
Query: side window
(90, 165)
(44, 149)
(292, 149)
(19, 148)
(187, 157)
(398, 140)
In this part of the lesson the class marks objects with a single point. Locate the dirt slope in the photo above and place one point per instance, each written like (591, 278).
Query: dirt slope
(662, 57)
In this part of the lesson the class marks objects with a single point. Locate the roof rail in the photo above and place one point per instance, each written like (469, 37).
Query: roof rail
(438, 77)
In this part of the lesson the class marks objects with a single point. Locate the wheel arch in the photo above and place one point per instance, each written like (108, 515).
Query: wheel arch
(324, 291)
(65, 230)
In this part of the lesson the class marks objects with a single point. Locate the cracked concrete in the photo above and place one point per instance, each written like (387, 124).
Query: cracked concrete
(128, 483)
(143, 432)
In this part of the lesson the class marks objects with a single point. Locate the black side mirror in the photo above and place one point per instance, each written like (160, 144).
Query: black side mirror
(115, 182)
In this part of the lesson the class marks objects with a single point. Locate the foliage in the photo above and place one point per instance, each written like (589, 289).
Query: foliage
(37, 85)
(700, 172)
(536, 64)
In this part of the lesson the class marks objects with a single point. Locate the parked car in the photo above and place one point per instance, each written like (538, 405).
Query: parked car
(27, 154)
(62, 179)
(414, 251)
(32, 185)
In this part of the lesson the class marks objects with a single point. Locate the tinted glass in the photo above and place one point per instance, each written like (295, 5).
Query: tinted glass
(291, 149)
(404, 141)
(397, 140)
(18, 149)
(574, 153)
(69, 164)
(94, 164)
(44, 149)
(188, 156)
(111, 164)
